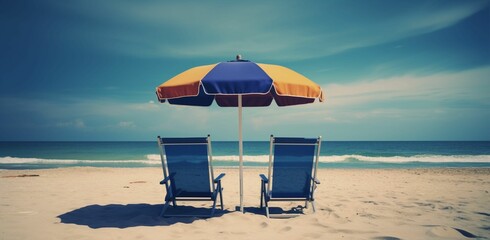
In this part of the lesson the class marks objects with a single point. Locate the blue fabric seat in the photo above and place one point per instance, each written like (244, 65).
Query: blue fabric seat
(188, 172)
(292, 171)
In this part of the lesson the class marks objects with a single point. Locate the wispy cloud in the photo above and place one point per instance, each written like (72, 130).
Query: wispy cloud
(265, 30)
(77, 123)
(420, 98)
(442, 88)
(126, 124)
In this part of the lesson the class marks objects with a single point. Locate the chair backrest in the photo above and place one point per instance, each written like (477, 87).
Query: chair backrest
(188, 163)
(293, 163)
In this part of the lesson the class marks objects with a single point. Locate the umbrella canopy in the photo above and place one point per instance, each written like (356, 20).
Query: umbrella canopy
(258, 83)
(239, 83)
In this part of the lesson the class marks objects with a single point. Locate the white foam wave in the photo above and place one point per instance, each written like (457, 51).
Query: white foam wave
(16, 160)
(154, 159)
(416, 158)
(394, 159)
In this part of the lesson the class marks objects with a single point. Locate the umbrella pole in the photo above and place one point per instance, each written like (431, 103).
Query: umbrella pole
(240, 149)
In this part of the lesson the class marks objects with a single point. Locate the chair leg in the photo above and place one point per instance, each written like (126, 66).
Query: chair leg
(215, 198)
(214, 208)
(313, 205)
(170, 193)
(165, 206)
(266, 209)
(221, 196)
(261, 194)
(168, 199)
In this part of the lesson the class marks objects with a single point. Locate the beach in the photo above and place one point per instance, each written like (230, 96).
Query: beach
(125, 203)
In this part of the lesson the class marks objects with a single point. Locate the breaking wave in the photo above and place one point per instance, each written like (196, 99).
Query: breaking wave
(154, 160)
(361, 158)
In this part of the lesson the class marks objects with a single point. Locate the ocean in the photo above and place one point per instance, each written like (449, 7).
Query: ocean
(334, 154)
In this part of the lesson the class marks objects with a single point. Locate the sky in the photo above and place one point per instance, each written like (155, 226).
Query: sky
(390, 70)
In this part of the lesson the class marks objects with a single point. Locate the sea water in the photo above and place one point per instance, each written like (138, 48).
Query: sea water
(341, 154)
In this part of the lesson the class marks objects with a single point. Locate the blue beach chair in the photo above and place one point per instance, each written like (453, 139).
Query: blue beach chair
(292, 171)
(188, 172)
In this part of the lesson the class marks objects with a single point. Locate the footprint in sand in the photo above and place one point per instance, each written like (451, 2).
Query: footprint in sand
(449, 232)
(318, 223)
(286, 229)
(313, 235)
(428, 205)
(370, 202)
(264, 225)
(483, 213)
(386, 238)
(326, 209)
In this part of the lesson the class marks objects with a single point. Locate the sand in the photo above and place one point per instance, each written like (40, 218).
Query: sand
(113, 203)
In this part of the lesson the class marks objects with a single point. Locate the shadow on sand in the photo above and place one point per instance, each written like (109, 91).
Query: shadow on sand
(130, 215)
(277, 211)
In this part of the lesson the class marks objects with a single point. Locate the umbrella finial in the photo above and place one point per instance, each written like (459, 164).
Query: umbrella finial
(238, 57)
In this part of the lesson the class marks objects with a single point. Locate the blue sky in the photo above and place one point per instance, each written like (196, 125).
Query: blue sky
(391, 70)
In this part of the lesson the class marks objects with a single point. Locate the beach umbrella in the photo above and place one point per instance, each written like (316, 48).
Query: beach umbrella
(239, 83)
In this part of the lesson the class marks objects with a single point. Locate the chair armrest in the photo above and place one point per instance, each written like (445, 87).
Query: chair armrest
(219, 178)
(264, 178)
(316, 180)
(165, 180)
